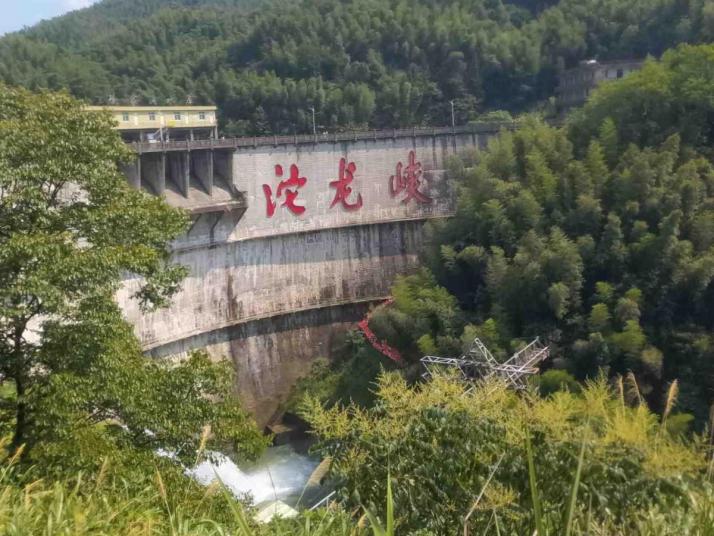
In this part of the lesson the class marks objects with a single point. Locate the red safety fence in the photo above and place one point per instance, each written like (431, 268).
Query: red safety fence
(381, 346)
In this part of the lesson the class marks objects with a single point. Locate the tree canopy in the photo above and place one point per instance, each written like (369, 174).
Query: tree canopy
(360, 63)
(607, 254)
(448, 452)
(667, 97)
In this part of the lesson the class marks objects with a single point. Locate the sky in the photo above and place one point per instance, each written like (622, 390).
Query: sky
(16, 14)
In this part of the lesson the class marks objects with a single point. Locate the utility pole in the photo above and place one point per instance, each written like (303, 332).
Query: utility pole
(453, 117)
(314, 128)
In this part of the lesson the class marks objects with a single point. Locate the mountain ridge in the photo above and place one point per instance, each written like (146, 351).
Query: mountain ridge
(359, 63)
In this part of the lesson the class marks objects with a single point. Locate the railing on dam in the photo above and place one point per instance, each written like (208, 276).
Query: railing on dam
(335, 137)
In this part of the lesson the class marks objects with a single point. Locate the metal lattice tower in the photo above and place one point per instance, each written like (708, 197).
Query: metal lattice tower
(478, 362)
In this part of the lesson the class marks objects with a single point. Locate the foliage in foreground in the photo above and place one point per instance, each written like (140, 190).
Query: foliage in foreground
(441, 445)
(165, 503)
(74, 385)
(440, 460)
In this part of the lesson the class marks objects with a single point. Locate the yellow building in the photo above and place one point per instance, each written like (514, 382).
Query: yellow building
(139, 123)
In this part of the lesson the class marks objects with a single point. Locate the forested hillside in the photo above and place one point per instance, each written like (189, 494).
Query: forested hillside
(370, 63)
(597, 237)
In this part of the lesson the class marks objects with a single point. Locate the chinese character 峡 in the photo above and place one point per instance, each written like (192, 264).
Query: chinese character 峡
(291, 186)
(342, 185)
(408, 179)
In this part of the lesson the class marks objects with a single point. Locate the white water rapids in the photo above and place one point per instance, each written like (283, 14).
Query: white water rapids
(280, 474)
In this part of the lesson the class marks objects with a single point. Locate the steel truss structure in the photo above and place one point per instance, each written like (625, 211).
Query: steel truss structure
(478, 362)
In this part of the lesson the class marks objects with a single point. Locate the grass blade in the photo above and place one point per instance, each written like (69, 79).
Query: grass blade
(488, 526)
(574, 492)
(498, 527)
(390, 507)
(236, 509)
(315, 478)
(537, 513)
(377, 528)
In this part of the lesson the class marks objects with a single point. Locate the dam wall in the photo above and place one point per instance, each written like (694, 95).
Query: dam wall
(291, 244)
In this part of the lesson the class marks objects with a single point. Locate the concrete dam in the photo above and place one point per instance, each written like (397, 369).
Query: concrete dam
(292, 238)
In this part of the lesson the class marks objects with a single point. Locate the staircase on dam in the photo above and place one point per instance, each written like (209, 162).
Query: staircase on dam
(292, 238)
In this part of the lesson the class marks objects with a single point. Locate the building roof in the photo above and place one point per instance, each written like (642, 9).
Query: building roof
(180, 107)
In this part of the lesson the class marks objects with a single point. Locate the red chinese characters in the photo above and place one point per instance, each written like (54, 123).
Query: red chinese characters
(342, 186)
(291, 185)
(408, 179)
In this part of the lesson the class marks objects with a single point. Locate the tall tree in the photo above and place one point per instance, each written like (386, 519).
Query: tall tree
(70, 230)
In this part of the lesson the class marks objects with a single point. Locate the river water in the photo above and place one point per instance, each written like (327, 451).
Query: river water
(279, 475)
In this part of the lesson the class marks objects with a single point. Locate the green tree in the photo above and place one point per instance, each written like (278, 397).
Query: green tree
(481, 431)
(668, 96)
(554, 380)
(599, 319)
(71, 228)
(608, 139)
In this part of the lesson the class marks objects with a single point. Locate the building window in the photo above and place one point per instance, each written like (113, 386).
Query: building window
(202, 116)
(125, 116)
(152, 116)
(177, 116)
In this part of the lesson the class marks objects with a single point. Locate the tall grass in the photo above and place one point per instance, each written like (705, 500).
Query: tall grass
(83, 506)
(593, 462)
(106, 504)
(535, 496)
